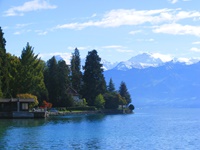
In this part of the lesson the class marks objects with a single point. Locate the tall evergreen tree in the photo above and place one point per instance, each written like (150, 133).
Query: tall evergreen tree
(4, 66)
(57, 82)
(111, 86)
(93, 78)
(64, 83)
(31, 79)
(51, 80)
(13, 71)
(123, 91)
(76, 75)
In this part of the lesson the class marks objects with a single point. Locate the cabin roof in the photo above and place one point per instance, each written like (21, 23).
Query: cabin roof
(30, 100)
(72, 91)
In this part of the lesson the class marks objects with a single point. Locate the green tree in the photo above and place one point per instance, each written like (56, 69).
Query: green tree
(4, 66)
(123, 91)
(99, 101)
(63, 81)
(131, 107)
(111, 100)
(57, 82)
(51, 80)
(93, 78)
(30, 76)
(111, 86)
(76, 75)
(14, 71)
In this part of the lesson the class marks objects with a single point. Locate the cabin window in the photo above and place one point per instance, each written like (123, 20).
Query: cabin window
(24, 106)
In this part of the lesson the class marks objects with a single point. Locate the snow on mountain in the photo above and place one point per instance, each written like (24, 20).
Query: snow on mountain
(140, 61)
(108, 65)
(187, 61)
(146, 60)
(66, 58)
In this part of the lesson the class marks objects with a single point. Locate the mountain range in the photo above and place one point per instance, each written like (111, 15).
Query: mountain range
(153, 81)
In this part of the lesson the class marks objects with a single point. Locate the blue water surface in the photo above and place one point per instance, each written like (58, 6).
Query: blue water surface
(152, 129)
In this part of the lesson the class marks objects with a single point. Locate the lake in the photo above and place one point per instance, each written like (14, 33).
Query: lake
(152, 129)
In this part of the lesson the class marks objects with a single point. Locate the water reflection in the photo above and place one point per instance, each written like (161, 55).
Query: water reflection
(148, 129)
(76, 118)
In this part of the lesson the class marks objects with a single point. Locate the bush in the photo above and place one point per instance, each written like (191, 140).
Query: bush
(88, 108)
(131, 107)
(26, 95)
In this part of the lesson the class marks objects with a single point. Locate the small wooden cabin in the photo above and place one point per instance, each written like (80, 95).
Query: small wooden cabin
(74, 94)
(18, 108)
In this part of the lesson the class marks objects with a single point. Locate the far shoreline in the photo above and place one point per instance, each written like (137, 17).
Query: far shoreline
(60, 113)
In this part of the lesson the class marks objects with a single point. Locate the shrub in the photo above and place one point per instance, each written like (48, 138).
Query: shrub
(26, 95)
(131, 107)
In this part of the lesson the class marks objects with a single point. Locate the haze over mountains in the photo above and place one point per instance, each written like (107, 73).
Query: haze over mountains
(157, 81)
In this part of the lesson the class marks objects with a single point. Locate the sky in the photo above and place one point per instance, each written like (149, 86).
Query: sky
(117, 29)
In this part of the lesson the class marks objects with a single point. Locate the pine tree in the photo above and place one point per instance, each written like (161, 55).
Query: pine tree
(76, 75)
(93, 78)
(124, 92)
(64, 82)
(30, 77)
(4, 66)
(13, 71)
(57, 82)
(51, 80)
(111, 86)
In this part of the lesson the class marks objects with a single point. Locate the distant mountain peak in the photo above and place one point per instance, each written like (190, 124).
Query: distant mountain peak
(140, 61)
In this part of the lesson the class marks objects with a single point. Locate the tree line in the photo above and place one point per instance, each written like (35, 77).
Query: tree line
(52, 80)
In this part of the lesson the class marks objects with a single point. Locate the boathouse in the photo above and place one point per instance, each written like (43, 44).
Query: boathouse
(18, 108)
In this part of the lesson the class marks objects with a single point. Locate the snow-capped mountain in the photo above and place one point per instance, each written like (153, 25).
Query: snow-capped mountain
(172, 84)
(108, 65)
(146, 60)
(140, 61)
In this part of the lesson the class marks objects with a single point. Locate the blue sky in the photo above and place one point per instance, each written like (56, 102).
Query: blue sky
(117, 29)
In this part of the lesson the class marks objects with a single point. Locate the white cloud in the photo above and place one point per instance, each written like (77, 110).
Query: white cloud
(135, 32)
(146, 40)
(17, 33)
(198, 42)
(94, 15)
(124, 50)
(22, 25)
(29, 6)
(22, 32)
(164, 58)
(177, 29)
(116, 18)
(173, 1)
(120, 17)
(194, 49)
(113, 47)
(42, 33)
(118, 48)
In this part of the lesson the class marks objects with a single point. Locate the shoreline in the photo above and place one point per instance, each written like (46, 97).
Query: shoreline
(90, 112)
